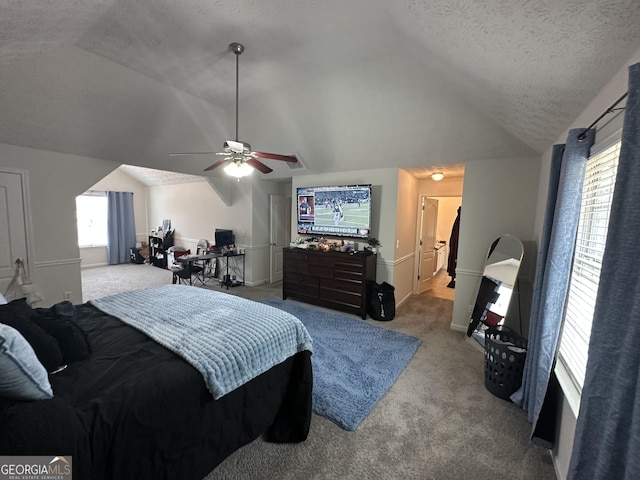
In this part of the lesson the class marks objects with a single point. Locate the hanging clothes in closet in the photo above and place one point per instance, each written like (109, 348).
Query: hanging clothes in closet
(453, 250)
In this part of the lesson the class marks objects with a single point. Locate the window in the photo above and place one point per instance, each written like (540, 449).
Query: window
(91, 215)
(597, 192)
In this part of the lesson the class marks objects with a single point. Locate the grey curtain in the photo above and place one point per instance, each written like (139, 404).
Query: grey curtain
(553, 268)
(607, 438)
(121, 228)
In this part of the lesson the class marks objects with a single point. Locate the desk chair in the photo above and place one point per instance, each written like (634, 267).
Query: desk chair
(201, 249)
(182, 273)
(203, 246)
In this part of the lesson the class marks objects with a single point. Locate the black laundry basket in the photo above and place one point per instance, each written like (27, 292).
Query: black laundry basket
(504, 355)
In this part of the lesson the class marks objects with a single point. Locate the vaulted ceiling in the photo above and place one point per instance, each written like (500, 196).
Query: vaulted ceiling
(343, 84)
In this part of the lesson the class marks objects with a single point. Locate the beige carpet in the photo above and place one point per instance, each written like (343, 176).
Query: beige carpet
(436, 422)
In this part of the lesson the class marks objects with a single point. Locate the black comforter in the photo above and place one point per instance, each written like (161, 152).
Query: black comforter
(136, 410)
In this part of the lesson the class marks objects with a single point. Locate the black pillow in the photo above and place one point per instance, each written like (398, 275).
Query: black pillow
(59, 322)
(17, 314)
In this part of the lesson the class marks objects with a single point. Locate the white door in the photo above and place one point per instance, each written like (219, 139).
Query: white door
(280, 218)
(427, 242)
(13, 232)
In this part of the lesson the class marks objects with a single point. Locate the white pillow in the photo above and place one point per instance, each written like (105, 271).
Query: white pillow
(22, 376)
(3, 300)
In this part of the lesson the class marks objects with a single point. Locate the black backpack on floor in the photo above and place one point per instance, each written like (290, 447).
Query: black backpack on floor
(382, 302)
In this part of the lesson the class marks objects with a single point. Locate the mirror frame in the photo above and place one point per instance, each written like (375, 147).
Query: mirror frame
(499, 280)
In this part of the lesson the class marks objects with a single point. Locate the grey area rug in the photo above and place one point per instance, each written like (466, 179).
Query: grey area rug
(354, 362)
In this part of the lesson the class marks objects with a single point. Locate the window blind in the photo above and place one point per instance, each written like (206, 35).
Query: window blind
(597, 192)
(91, 217)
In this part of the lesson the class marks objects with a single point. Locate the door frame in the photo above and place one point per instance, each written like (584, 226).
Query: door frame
(28, 224)
(275, 251)
(418, 247)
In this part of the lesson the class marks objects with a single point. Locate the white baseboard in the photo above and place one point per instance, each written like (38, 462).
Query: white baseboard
(458, 328)
(93, 265)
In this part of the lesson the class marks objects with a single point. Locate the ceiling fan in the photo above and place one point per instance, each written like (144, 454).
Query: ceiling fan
(240, 159)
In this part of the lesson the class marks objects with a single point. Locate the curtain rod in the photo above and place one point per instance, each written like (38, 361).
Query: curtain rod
(94, 192)
(609, 110)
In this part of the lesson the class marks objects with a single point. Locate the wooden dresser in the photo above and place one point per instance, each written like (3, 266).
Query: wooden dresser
(330, 279)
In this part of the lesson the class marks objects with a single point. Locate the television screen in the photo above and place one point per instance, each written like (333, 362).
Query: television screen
(223, 237)
(342, 211)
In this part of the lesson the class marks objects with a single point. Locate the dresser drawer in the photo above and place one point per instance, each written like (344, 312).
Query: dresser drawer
(294, 262)
(341, 297)
(294, 283)
(339, 285)
(296, 278)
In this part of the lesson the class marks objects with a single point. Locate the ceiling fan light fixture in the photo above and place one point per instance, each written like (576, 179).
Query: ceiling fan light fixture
(238, 169)
(437, 176)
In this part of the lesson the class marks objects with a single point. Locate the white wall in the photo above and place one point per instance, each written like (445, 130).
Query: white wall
(196, 210)
(499, 197)
(55, 179)
(404, 257)
(119, 181)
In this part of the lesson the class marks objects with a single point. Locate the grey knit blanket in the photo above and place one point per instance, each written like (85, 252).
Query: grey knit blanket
(229, 339)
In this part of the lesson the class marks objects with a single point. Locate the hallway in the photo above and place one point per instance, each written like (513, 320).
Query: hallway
(439, 288)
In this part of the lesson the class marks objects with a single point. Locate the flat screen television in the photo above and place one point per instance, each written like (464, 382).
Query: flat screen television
(340, 211)
(223, 237)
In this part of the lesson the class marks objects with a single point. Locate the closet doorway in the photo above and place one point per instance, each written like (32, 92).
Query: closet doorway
(445, 215)
(14, 223)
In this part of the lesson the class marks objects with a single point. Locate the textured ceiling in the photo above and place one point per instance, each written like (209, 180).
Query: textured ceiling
(449, 171)
(345, 85)
(151, 177)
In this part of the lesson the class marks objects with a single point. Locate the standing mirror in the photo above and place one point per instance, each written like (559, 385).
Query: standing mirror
(499, 279)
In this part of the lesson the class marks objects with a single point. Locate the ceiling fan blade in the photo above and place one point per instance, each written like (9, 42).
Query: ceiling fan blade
(258, 165)
(176, 154)
(275, 156)
(217, 164)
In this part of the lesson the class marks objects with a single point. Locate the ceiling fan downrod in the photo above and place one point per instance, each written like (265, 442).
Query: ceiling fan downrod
(237, 48)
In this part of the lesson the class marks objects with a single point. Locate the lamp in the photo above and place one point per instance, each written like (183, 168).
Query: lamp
(437, 176)
(238, 168)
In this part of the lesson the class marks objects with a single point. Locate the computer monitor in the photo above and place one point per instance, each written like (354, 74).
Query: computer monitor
(223, 237)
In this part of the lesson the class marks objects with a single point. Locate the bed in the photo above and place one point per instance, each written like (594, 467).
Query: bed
(131, 406)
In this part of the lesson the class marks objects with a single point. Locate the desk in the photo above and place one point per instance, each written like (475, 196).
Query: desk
(205, 260)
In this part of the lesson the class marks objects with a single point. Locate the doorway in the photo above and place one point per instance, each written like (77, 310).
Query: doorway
(427, 232)
(13, 224)
(447, 210)
(280, 228)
